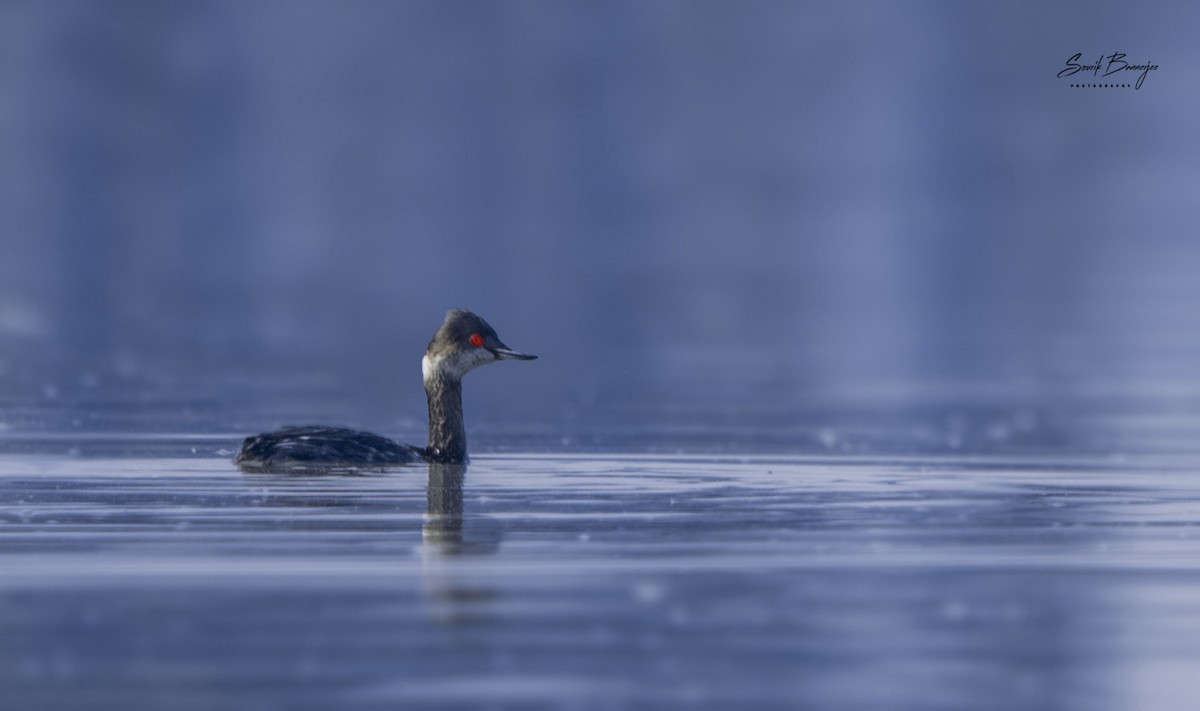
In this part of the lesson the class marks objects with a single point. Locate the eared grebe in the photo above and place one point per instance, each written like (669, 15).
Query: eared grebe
(463, 342)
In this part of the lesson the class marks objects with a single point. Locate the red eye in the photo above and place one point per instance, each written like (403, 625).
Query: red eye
(476, 340)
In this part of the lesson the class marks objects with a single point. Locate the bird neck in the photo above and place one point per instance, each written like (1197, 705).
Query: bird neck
(447, 433)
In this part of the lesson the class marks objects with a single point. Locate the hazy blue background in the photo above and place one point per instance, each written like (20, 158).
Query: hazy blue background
(259, 211)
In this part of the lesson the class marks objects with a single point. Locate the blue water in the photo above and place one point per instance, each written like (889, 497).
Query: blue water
(601, 581)
(869, 368)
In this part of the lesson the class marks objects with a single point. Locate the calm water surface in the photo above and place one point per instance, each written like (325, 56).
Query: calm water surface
(600, 581)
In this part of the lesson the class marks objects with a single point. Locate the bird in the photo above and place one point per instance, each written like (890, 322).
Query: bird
(462, 343)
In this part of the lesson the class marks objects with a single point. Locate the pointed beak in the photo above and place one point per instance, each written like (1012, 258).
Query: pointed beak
(506, 353)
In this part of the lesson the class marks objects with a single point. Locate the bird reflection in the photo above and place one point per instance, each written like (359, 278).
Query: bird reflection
(455, 591)
(456, 596)
(443, 527)
(442, 531)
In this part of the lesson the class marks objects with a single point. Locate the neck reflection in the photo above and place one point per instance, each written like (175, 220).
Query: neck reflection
(443, 527)
(442, 531)
(456, 597)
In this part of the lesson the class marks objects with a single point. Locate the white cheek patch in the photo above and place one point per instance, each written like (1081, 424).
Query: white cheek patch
(455, 367)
